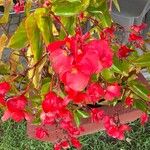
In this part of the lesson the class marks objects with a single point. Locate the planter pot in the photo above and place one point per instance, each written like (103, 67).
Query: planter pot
(126, 115)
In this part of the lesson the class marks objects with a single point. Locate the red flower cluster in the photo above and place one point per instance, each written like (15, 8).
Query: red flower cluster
(16, 109)
(75, 60)
(66, 144)
(54, 109)
(135, 35)
(18, 7)
(129, 101)
(112, 91)
(4, 88)
(94, 93)
(97, 115)
(15, 106)
(124, 51)
(113, 129)
(144, 118)
(40, 132)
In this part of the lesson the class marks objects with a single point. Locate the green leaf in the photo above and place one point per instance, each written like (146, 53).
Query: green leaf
(139, 89)
(69, 24)
(19, 38)
(82, 113)
(116, 4)
(140, 104)
(106, 19)
(143, 60)
(36, 121)
(5, 17)
(28, 6)
(4, 69)
(64, 8)
(36, 99)
(104, 15)
(120, 66)
(108, 75)
(3, 40)
(72, 1)
(76, 118)
(34, 37)
(44, 23)
(45, 88)
(35, 73)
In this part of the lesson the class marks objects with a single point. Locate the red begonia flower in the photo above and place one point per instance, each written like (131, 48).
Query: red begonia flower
(95, 92)
(18, 7)
(65, 144)
(97, 115)
(70, 128)
(47, 118)
(57, 146)
(114, 130)
(123, 51)
(144, 118)
(17, 103)
(112, 91)
(108, 33)
(75, 142)
(52, 103)
(139, 28)
(4, 88)
(40, 132)
(61, 61)
(103, 52)
(129, 101)
(75, 79)
(137, 39)
(16, 109)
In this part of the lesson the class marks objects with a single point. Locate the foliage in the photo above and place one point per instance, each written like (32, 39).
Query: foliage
(72, 58)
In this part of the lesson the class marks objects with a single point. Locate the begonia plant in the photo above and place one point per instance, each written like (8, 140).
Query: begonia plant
(66, 59)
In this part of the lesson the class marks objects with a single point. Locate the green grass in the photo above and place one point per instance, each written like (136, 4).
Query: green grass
(13, 137)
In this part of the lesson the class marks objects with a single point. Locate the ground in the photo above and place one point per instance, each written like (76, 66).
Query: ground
(13, 137)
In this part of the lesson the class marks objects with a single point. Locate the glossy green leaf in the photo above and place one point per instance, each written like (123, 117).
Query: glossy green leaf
(139, 89)
(143, 60)
(68, 8)
(116, 4)
(76, 118)
(102, 13)
(34, 37)
(82, 114)
(3, 40)
(28, 6)
(19, 39)
(36, 99)
(34, 74)
(72, 1)
(5, 17)
(108, 75)
(44, 23)
(4, 69)
(69, 24)
(36, 121)
(105, 19)
(120, 66)
(45, 88)
(140, 104)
